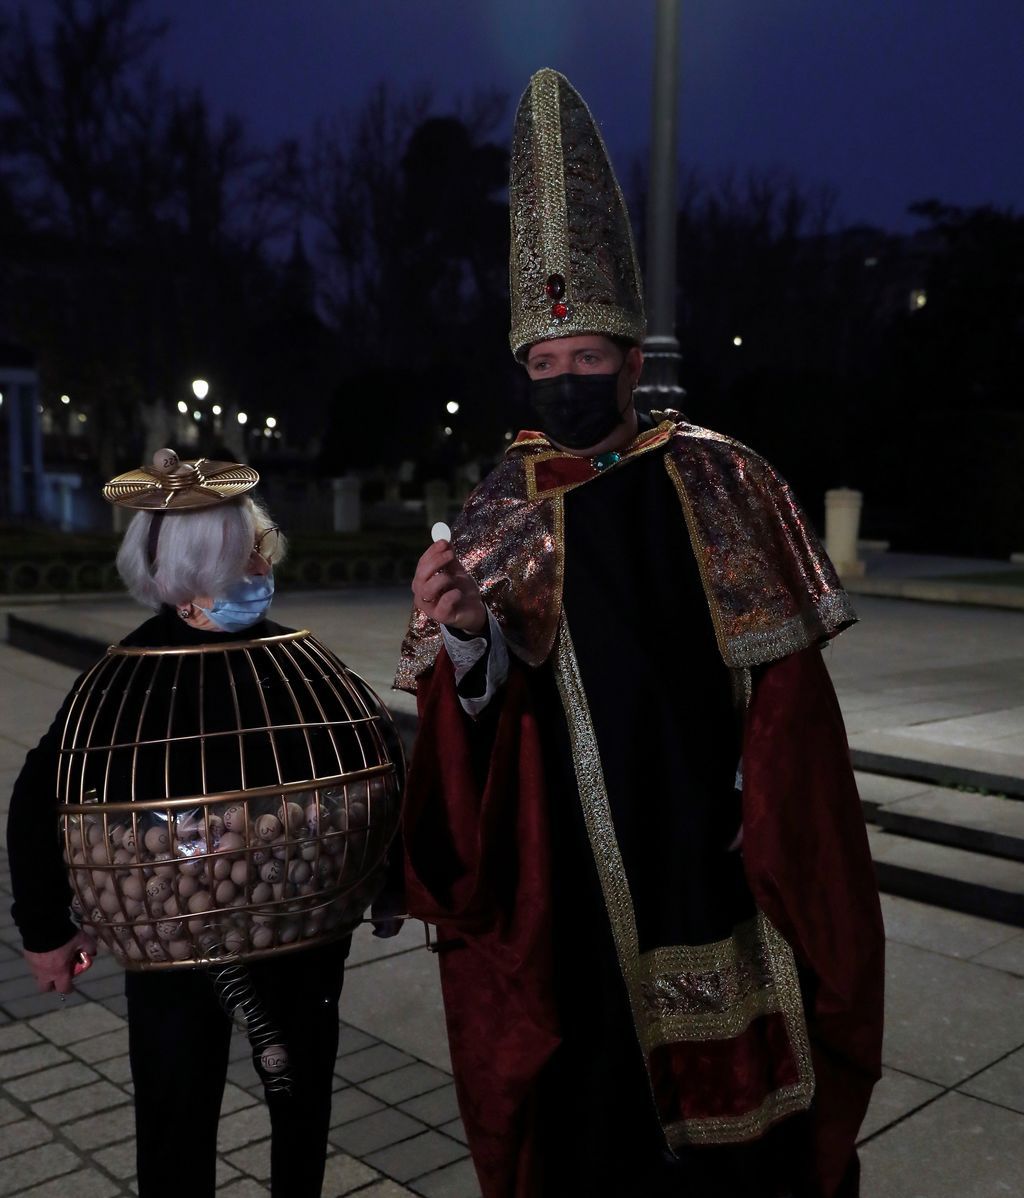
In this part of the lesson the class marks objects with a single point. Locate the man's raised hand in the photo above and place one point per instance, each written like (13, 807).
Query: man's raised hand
(444, 591)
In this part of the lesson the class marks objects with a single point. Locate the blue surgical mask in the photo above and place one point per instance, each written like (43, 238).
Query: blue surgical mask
(243, 604)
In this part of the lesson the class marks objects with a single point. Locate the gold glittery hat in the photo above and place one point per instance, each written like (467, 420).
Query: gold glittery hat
(170, 485)
(573, 266)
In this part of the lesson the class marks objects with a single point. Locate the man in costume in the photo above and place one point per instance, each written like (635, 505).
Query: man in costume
(631, 812)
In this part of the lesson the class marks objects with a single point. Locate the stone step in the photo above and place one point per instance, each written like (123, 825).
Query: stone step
(977, 884)
(937, 764)
(980, 823)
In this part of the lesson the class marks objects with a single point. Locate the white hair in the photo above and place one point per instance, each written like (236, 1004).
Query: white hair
(199, 552)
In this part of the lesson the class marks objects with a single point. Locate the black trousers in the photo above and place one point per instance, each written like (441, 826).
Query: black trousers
(178, 1036)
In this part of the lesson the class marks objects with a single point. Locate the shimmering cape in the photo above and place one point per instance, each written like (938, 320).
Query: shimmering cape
(769, 583)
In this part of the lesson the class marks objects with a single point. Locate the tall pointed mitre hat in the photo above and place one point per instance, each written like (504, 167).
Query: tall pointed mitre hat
(572, 267)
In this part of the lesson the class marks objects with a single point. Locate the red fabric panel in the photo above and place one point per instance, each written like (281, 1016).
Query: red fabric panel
(477, 865)
(806, 854)
(708, 1078)
(563, 471)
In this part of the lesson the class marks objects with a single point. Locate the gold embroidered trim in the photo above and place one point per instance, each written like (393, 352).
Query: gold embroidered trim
(547, 121)
(671, 991)
(699, 554)
(649, 439)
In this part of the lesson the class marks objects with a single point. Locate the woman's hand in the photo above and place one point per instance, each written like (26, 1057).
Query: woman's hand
(55, 970)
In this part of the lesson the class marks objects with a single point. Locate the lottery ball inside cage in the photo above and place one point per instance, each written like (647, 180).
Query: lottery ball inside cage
(225, 802)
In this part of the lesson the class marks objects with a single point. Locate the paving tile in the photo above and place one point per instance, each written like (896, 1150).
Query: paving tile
(343, 1174)
(19, 986)
(43, 1004)
(1008, 956)
(102, 987)
(16, 1035)
(29, 1060)
(235, 1098)
(893, 1097)
(946, 1019)
(117, 1070)
(412, 1018)
(73, 1104)
(1002, 1083)
(77, 1023)
(405, 1083)
(117, 1004)
(244, 1187)
(352, 1103)
(415, 1157)
(386, 1189)
(243, 1127)
(938, 930)
(100, 1130)
(118, 1159)
(224, 1173)
(35, 1166)
(24, 1134)
(371, 1062)
(351, 1040)
(102, 1048)
(363, 1136)
(86, 1183)
(453, 1181)
(9, 1112)
(253, 1159)
(34, 1086)
(435, 1108)
(455, 1130)
(956, 1147)
(242, 1074)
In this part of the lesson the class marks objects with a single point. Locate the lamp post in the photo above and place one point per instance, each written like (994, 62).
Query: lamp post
(660, 386)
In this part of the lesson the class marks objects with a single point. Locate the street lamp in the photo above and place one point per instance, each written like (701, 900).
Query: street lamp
(452, 407)
(271, 422)
(200, 388)
(243, 418)
(182, 407)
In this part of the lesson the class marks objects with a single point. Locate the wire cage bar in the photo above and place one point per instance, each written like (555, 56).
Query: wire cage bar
(225, 802)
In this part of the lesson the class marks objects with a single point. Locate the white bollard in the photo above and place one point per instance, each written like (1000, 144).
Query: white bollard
(842, 525)
(348, 510)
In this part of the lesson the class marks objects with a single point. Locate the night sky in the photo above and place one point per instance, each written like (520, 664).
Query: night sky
(889, 101)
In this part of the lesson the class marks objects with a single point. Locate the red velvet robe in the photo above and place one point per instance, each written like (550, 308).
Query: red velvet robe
(478, 867)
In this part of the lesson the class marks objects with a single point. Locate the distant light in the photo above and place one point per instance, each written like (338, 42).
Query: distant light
(447, 431)
(243, 417)
(182, 406)
(277, 433)
(452, 407)
(216, 409)
(508, 436)
(271, 422)
(82, 418)
(40, 406)
(737, 341)
(200, 388)
(870, 261)
(65, 399)
(197, 415)
(918, 299)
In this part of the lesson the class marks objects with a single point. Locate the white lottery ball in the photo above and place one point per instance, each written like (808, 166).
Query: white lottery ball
(440, 532)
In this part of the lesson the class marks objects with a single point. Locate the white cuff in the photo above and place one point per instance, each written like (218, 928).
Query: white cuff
(465, 655)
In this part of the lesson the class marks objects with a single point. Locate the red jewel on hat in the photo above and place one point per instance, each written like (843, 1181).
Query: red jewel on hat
(559, 311)
(555, 286)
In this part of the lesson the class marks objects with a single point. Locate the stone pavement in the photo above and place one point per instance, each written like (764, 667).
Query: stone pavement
(948, 1116)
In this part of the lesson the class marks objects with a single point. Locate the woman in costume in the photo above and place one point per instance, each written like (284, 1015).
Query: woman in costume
(202, 551)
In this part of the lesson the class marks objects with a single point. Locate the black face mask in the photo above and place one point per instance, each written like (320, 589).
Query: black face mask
(577, 410)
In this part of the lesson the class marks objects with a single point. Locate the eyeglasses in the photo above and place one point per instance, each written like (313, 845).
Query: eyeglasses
(267, 542)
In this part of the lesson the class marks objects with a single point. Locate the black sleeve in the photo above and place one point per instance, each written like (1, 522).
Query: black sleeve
(39, 877)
